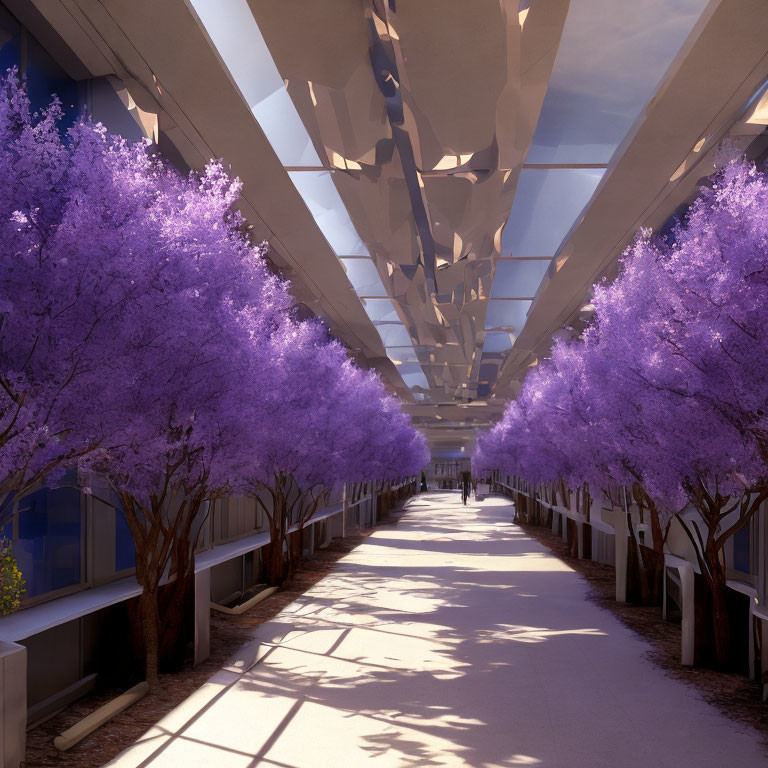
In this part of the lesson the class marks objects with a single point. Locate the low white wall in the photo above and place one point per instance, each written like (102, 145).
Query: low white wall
(13, 703)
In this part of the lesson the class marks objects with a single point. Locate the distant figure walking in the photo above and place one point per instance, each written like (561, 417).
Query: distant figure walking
(466, 482)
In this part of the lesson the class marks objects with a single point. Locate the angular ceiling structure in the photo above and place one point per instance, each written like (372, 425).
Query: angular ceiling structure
(442, 180)
(445, 149)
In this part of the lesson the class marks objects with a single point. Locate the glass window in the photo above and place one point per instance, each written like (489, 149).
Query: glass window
(506, 314)
(381, 310)
(107, 108)
(282, 125)
(416, 379)
(742, 549)
(394, 335)
(518, 279)
(409, 368)
(405, 354)
(10, 42)
(45, 77)
(611, 59)
(48, 544)
(125, 550)
(488, 371)
(238, 39)
(547, 204)
(324, 202)
(364, 276)
(497, 342)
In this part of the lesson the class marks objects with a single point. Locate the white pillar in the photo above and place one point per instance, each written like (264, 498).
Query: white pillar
(764, 654)
(13, 703)
(620, 545)
(688, 622)
(580, 535)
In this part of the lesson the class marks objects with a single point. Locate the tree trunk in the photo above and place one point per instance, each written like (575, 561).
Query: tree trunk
(639, 563)
(173, 612)
(295, 547)
(721, 630)
(274, 558)
(720, 625)
(644, 500)
(150, 620)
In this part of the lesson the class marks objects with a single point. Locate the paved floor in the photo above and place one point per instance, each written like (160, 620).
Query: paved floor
(449, 639)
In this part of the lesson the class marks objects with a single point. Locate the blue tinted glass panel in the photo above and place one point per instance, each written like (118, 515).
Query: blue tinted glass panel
(547, 204)
(44, 78)
(611, 59)
(380, 310)
(405, 354)
(107, 109)
(10, 45)
(364, 276)
(48, 547)
(239, 41)
(507, 314)
(518, 279)
(394, 335)
(324, 202)
(409, 368)
(125, 551)
(497, 342)
(741, 560)
(417, 379)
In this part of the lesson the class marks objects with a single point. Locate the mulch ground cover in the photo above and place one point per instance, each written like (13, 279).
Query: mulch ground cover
(228, 633)
(735, 696)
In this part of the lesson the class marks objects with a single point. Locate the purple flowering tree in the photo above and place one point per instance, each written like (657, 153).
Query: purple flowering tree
(72, 230)
(698, 350)
(143, 338)
(327, 421)
(665, 393)
(174, 428)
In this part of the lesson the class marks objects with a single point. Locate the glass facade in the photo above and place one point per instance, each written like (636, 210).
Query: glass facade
(509, 314)
(43, 77)
(48, 543)
(125, 552)
(611, 59)
(235, 33)
(10, 41)
(329, 212)
(518, 279)
(547, 204)
(48, 528)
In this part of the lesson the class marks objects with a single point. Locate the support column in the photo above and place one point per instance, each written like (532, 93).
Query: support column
(688, 622)
(764, 657)
(13, 703)
(202, 615)
(620, 544)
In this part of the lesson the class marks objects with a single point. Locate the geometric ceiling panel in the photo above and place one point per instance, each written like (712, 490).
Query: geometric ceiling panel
(445, 142)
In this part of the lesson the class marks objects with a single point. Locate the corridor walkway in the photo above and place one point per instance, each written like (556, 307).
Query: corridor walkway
(448, 639)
